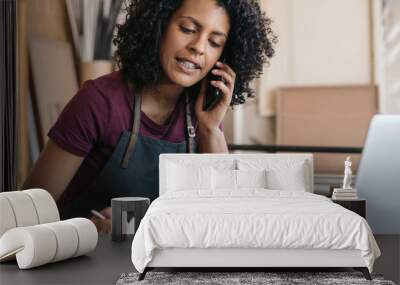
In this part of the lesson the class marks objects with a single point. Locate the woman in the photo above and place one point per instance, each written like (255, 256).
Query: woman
(108, 138)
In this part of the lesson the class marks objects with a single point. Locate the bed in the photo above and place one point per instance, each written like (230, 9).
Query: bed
(247, 211)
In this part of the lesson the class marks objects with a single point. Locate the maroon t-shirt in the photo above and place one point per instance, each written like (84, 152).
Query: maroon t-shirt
(93, 121)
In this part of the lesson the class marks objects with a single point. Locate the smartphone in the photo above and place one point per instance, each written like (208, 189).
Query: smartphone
(213, 94)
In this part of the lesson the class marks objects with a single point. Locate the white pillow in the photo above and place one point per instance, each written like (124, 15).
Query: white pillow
(223, 179)
(182, 177)
(293, 179)
(251, 178)
(282, 174)
(227, 179)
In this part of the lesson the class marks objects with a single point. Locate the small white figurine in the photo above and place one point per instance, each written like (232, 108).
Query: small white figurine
(347, 174)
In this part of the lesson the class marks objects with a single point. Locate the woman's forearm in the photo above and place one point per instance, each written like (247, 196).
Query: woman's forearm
(211, 140)
(54, 170)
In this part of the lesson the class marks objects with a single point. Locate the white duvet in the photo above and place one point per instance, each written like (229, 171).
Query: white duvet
(253, 218)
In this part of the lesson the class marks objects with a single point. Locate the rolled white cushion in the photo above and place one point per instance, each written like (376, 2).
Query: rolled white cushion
(23, 208)
(45, 205)
(7, 218)
(87, 235)
(40, 244)
(67, 239)
(34, 245)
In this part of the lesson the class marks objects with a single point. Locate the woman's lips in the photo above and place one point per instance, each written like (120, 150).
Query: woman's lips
(185, 69)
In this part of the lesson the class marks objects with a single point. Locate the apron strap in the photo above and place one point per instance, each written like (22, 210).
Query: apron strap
(134, 132)
(191, 130)
(136, 125)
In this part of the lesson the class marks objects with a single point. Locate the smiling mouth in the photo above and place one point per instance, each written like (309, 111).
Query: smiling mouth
(187, 65)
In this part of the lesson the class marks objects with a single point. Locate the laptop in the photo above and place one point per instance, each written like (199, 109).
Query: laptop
(378, 175)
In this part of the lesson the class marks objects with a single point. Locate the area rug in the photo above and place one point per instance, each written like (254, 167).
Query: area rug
(243, 278)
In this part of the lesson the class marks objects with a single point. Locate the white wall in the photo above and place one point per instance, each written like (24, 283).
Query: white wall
(321, 42)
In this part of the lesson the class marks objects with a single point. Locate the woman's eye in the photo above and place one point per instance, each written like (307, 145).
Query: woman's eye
(187, 31)
(214, 44)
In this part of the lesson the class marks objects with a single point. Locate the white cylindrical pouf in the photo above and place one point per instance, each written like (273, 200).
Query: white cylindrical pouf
(45, 205)
(40, 244)
(7, 217)
(37, 245)
(23, 207)
(67, 239)
(87, 235)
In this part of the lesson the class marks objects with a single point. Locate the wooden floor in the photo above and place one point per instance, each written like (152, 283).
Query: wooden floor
(389, 262)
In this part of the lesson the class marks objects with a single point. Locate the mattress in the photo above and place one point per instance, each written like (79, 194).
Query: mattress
(252, 219)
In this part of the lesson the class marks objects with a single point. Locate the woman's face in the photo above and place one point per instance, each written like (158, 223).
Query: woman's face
(193, 41)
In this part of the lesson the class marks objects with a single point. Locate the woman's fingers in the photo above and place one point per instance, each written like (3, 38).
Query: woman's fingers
(213, 118)
(227, 68)
(106, 212)
(106, 226)
(103, 226)
(221, 85)
(225, 75)
(224, 89)
(228, 81)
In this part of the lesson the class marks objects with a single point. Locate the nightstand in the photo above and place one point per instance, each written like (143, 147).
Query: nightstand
(358, 206)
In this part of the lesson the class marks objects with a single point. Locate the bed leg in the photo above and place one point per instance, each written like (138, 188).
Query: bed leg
(143, 274)
(364, 271)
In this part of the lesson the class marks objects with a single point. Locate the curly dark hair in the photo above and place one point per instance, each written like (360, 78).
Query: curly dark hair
(250, 42)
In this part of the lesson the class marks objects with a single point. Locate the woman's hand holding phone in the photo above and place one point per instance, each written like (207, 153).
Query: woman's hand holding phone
(212, 118)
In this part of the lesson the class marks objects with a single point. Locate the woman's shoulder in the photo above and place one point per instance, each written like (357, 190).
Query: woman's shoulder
(110, 86)
(99, 109)
(107, 94)
(104, 95)
(113, 80)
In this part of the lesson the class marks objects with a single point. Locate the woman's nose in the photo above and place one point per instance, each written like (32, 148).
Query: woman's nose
(198, 45)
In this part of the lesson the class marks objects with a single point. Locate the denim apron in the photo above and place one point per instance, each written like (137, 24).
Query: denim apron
(132, 169)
